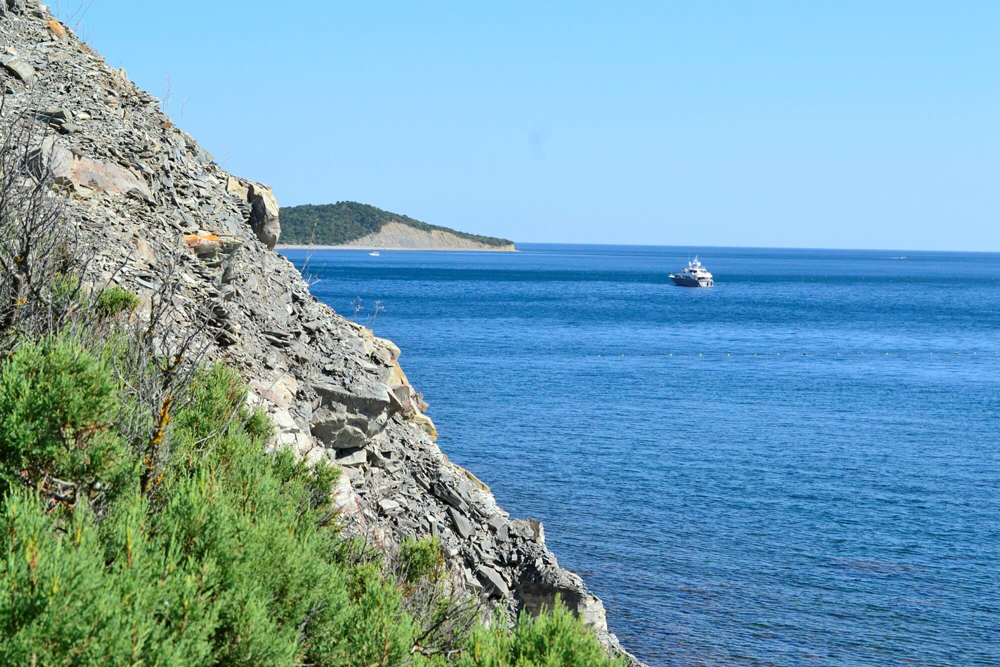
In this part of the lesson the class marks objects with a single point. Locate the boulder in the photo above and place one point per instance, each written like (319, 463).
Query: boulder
(264, 209)
(462, 524)
(78, 173)
(530, 530)
(266, 196)
(371, 400)
(388, 505)
(19, 68)
(336, 429)
(424, 423)
(539, 587)
(280, 391)
(354, 458)
(264, 225)
(492, 579)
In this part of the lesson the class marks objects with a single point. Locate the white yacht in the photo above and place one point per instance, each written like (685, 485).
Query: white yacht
(374, 253)
(695, 275)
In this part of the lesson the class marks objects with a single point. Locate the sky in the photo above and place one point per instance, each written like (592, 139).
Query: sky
(777, 124)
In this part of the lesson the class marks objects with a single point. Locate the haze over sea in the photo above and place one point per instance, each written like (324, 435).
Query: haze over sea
(799, 466)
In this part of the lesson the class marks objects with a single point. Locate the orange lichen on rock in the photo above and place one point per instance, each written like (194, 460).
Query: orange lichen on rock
(202, 242)
(57, 28)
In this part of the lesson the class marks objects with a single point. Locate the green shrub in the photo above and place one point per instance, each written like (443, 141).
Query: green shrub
(227, 557)
(420, 558)
(58, 403)
(64, 289)
(116, 300)
(555, 638)
(230, 559)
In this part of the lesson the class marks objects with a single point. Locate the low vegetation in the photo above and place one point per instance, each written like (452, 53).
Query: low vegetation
(143, 522)
(346, 221)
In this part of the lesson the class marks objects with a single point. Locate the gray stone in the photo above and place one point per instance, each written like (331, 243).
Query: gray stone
(355, 458)
(331, 427)
(528, 529)
(80, 172)
(446, 493)
(19, 68)
(371, 400)
(388, 505)
(493, 580)
(496, 522)
(462, 524)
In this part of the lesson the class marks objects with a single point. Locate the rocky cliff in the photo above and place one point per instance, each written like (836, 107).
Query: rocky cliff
(153, 206)
(397, 236)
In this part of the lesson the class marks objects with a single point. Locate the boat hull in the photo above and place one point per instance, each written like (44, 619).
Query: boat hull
(687, 281)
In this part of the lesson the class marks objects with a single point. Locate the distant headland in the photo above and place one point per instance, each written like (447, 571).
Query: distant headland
(352, 225)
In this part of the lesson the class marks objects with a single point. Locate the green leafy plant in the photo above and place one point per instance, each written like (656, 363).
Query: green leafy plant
(116, 300)
(58, 403)
(420, 558)
(554, 638)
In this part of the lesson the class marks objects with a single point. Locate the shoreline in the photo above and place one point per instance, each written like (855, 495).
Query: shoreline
(301, 246)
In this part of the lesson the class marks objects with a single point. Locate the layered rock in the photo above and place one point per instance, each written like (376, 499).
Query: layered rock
(397, 236)
(151, 205)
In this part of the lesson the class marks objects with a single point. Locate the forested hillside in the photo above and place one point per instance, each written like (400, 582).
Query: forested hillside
(347, 221)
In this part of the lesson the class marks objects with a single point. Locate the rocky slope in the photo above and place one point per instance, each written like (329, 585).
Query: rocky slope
(397, 236)
(153, 207)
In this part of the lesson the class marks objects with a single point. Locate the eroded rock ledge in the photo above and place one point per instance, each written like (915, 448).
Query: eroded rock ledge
(150, 204)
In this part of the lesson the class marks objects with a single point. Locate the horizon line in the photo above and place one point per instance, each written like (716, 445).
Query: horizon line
(753, 247)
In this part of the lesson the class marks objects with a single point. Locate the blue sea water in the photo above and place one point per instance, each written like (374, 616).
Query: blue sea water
(799, 466)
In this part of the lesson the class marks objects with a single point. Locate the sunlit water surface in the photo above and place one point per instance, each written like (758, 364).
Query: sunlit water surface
(799, 466)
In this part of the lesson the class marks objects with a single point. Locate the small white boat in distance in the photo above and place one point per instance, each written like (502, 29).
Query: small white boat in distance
(695, 275)
(374, 253)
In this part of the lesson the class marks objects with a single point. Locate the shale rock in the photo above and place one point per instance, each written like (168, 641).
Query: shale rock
(146, 197)
(19, 68)
(82, 173)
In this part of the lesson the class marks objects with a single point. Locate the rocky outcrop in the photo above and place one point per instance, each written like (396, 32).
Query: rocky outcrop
(397, 236)
(84, 175)
(263, 209)
(150, 205)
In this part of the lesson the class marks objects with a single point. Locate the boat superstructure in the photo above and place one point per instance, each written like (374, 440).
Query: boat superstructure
(695, 275)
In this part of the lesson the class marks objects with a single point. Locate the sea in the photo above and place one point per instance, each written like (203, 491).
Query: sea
(799, 466)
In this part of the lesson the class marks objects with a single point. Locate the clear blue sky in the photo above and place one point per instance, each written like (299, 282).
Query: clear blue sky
(802, 124)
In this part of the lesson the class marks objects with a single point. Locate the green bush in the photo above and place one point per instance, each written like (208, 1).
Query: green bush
(58, 403)
(116, 300)
(420, 558)
(227, 556)
(551, 639)
(64, 289)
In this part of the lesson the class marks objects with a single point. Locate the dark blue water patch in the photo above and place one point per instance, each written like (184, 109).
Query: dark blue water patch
(800, 465)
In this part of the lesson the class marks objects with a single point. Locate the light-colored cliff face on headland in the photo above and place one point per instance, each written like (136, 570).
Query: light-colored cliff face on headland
(152, 206)
(397, 236)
